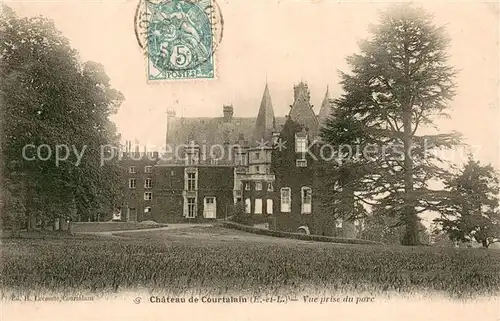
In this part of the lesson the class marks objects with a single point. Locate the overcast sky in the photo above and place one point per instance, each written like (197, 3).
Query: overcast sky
(285, 42)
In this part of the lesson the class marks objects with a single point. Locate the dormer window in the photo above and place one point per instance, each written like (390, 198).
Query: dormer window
(241, 159)
(191, 159)
(300, 144)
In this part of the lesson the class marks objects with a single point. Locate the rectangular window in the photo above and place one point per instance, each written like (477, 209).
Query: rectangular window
(248, 206)
(191, 159)
(258, 206)
(241, 159)
(191, 181)
(269, 206)
(300, 144)
(286, 200)
(270, 187)
(147, 169)
(301, 162)
(191, 210)
(257, 169)
(147, 209)
(306, 200)
(148, 183)
(258, 186)
(148, 196)
(257, 155)
(131, 183)
(131, 169)
(247, 186)
(209, 210)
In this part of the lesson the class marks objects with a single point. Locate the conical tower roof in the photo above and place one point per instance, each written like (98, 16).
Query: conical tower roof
(265, 122)
(326, 108)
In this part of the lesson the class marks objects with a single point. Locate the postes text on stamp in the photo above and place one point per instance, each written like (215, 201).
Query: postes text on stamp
(179, 37)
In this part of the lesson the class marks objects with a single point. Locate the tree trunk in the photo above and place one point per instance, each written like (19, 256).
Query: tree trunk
(44, 224)
(16, 230)
(62, 224)
(410, 219)
(31, 220)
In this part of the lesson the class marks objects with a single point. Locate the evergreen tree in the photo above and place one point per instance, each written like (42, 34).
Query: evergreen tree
(471, 212)
(398, 85)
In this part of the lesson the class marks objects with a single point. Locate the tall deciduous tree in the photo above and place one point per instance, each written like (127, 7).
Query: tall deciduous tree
(49, 97)
(399, 83)
(471, 213)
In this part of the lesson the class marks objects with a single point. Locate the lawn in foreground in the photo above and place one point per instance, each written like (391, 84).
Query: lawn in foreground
(187, 261)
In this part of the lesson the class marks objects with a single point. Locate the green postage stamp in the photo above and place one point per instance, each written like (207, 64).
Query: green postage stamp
(179, 37)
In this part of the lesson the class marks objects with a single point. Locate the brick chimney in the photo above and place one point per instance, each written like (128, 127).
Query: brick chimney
(228, 113)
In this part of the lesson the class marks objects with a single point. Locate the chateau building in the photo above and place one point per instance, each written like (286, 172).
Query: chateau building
(210, 164)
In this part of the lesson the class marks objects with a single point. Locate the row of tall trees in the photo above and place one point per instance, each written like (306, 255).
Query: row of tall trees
(398, 86)
(49, 97)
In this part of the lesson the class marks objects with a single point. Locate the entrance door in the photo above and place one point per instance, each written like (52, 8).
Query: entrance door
(210, 207)
(132, 215)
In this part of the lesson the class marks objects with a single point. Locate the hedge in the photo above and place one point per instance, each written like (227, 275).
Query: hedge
(304, 237)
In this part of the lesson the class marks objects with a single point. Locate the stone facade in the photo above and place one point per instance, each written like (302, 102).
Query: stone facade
(218, 162)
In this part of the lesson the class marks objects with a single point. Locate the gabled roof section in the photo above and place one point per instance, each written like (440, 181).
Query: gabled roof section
(301, 110)
(265, 123)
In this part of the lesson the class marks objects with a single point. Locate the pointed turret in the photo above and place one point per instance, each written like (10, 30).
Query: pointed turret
(265, 123)
(326, 108)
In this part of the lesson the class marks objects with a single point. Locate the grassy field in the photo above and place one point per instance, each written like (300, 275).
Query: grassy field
(217, 260)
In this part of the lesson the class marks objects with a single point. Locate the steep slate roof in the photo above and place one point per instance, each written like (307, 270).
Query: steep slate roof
(265, 122)
(208, 130)
(301, 111)
(212, 131)
(218, 131)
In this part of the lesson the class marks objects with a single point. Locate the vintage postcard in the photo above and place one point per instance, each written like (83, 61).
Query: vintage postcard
(249, 160)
